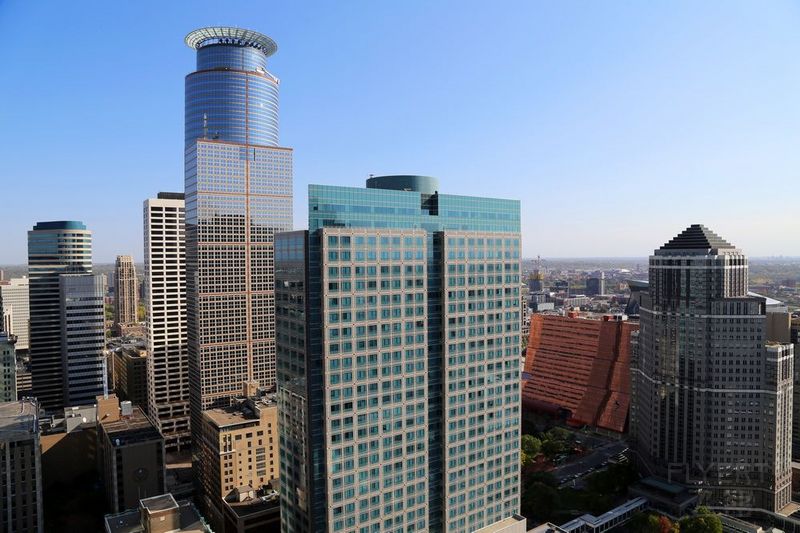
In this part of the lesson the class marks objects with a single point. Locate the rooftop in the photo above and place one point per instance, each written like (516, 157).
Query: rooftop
(59, 224)
(241, 413)
(229, 35)
(131, 521)
(502, 525)
(18, 419)
(128, 429)
(697, 237)
(161, 502)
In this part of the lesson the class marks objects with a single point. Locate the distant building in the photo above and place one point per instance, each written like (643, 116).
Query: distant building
(638, 290)
(82, 338)
(569, 302)
(158, 514)
(54, 248)
(24, 380)
(596, 286)
(132, 454)
(14, 301)
(165, 283)
(130, 374)
(242, 464)
(20, 468)
(578, 368)
(8, 368)
(126, 293)
(712, 400)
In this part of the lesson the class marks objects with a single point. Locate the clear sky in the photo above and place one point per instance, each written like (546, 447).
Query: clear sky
(617, 123)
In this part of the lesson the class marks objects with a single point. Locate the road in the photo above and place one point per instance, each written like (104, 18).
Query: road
(593, 460)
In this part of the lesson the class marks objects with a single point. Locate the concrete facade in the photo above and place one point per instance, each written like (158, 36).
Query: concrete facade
(167, 345)
(20, 468)
(712, 401)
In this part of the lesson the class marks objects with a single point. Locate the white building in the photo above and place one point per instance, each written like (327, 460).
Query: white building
(165, 281)
(16, 310)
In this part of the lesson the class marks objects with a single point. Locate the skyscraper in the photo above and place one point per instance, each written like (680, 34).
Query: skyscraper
(8, 368)
(14, 304)
(126, 294)
(711, 401)
(398, 325)
(238, 185)
(165, 282)
(83, 337)
(54, 248)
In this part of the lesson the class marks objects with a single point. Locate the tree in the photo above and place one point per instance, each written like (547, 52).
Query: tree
(703, 521)
(539, 501)
(651, 523)
(551, 448)
(531, 445)
(559, 434)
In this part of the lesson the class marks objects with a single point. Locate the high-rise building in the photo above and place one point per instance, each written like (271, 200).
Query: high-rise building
(20, 468)
(126, 293)
(131, 454)
(14, 303)
(238, 185)
(241, 463)
(83, 338)
(8, 368)
(711, 400)
(165, 279)
(54, 248)
(398, 326)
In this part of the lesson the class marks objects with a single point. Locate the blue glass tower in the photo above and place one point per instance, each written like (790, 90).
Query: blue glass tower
(398, 360)
(238, 185)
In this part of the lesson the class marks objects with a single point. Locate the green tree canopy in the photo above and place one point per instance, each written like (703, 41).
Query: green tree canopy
(703, 521)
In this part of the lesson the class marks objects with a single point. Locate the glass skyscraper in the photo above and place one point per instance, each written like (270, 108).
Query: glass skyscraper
(398, 325)
(238, 185)
(54, 248)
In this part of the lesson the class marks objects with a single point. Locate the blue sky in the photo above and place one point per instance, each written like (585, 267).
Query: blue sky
(616, 123)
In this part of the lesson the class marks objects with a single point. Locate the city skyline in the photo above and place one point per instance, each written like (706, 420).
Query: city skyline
(564, 95)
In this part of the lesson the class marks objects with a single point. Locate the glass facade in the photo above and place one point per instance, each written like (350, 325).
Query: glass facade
(411, 360)
(232, 97)
(238, 194)
(54, 248)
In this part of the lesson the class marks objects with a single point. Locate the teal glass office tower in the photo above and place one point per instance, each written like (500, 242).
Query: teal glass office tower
(54, 248)
(398, 330)
(238, 189)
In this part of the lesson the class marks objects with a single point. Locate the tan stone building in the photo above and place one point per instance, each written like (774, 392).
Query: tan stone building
(131, 454)
(240, 464)
(126, 296)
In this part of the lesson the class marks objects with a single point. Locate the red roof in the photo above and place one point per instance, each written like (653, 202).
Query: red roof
(581, 365)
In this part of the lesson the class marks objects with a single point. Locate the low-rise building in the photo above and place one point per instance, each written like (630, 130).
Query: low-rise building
(158, 514)
(131, 454)
(578, 368)
(20, 468)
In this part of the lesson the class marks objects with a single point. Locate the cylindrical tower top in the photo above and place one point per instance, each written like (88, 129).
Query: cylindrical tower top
(423, 184)
(231, 96)
(234, 36)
